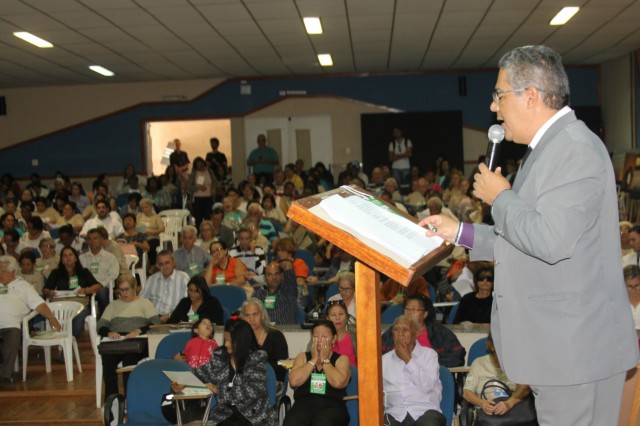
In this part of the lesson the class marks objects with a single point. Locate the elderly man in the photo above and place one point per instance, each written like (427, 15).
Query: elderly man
(252, 255)
(411, 379)
(634, 243)
(223, 233)
(281, 295)
(435, 206)
(556, 248)
(267, 229)
(191, 258)
(166, 287)
(103, 220)
(263, 160)
(102, 264)
(17, 298)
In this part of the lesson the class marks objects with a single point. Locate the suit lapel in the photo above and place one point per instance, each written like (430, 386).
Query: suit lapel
(549, 135)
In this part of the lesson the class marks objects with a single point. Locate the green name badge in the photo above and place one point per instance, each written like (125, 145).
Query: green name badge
(94, 267)
(73, 282)
(270, 302)
(39, 268)
(194, 269)
(194, 317)
(318, 383)
(220, 279)
(3, 290)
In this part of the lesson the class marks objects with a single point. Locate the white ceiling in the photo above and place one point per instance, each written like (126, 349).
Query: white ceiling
(150, 40)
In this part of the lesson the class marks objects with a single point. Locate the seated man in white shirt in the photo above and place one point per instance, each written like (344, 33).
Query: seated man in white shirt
(411, 379)
(102, 264)
(17, 299)
(191, 258)
(103, 220)
(166, 287)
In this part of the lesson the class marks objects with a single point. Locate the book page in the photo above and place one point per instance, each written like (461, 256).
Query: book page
(186, 378)
(393, 235)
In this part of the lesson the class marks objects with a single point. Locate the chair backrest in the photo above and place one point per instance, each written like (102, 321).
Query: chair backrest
(65, 312)
(308, 258)
(226, 315)
(301, 315)
(447, 403)
(478, 349)
(352, 404)
(54, 232)
(432, 294)
(391, 313)
(145, 388)
(131, 261)
(272, 385)
(174, 220)
(122, 199)
(452, 313)
(172, 343)
(230, 296)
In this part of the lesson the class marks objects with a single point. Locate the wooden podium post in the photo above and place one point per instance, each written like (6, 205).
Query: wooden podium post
(369, 343)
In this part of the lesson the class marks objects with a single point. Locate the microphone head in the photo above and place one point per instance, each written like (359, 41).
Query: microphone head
(496, 133)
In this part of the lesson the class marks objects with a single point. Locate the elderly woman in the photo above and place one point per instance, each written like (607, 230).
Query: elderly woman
(430, 332)
(237, 374)
(269, 339)
(70, 275)
(225, 269)
(128, 316)
(198, 304)
(346, 293)
(71, 217)
(320, 366)
(153, 227)
(476, 307)
(346, 334)
(483, 370)
(391, 186)
(49, 259)
(207, 235)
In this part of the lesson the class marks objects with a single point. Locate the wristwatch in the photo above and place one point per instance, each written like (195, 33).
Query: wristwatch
(326, 361)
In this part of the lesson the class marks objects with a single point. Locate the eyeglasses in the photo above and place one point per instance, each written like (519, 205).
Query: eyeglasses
(335, 302)
(633, 287)
(124, 290)
(413, 310)
(488, 278)
(216, 250)
(344, 289)
(497, 94)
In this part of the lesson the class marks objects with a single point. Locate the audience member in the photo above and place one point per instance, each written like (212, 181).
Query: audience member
(632, 282)
(152, 226)
(115, 249)
(47, 213)
(222, 232)
(271, 211)
(251, 255)
(634, 244)
(345, 343)
(400, 151)
(233, 217)
(166, 287)
(13, 246)
(269, 339)
(17, 298)
(346, 293)
(78, 197)
(7, 223)
(411, 379)
(280, 297)
(103, 220)
(254, 211)
(159, 197)
(202, 185)
(70, 216)
(102, 265)
(319, 378)
(132, 206)
(49, 259)
(476, 307)
(431, 333)
(123, 185)
(28, 272)
(190, 258)
(625, 226)
(67, 238)
(179, 159)
(263, 160)
(35, 233)
(127, 317)
(224, 269)
(215, 158)
(395, 292)
(132, 236)
(207, 235)
(200, 348)
(198, 304)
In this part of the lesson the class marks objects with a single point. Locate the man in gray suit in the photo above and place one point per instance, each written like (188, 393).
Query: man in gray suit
(560, 318)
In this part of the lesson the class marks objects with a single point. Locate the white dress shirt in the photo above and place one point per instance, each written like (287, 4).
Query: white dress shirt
(412, 388)
(104, 266)
(165, 293)
(113, 226)
(19, 300)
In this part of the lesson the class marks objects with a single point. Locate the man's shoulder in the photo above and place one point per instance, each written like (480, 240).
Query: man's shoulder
(181, 276)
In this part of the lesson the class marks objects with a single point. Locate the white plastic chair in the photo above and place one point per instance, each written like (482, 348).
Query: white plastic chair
(173, 221)
(64, 312)
(142, 271)
(131, 260)
(95, 340)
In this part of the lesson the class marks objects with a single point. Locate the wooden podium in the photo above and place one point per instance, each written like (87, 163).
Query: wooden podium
(368, 267)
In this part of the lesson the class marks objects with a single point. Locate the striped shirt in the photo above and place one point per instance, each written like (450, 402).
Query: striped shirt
(165, 293)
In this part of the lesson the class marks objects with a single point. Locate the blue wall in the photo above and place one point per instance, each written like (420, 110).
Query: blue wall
(107, 144)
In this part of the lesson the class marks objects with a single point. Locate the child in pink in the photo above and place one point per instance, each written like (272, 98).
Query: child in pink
(199, 349)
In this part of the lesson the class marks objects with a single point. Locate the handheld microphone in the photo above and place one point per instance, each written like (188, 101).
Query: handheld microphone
(496, 135)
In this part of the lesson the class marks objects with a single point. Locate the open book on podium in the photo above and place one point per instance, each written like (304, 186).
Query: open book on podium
(373, 231)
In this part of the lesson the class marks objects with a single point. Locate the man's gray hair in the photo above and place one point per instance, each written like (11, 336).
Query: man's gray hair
(11, 262)
(412, 320)
(540, 67)
(189, 229)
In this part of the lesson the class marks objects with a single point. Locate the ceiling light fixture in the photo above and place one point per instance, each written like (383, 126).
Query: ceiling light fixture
(564, 15)
(35, 40)
(312, 25)
(325, 59)
(101, 70)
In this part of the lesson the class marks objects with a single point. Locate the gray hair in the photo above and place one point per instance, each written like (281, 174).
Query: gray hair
(416, 327)
(348, 276)
(145, 201)
(189, 229)
(540, 67)
(11, 262)
(266, 322)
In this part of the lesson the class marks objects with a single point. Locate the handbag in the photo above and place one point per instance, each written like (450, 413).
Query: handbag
(124, 346)
(522, 414)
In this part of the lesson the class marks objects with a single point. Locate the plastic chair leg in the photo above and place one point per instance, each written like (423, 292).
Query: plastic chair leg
(77, 354)
(47, 358)
(68, 360)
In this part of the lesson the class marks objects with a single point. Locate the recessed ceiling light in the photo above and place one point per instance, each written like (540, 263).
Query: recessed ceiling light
(101, 70)
(35, 40)
(325, 59)
(564, 15)
(312, 25)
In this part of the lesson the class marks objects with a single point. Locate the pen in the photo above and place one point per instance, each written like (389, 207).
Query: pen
(432, 228)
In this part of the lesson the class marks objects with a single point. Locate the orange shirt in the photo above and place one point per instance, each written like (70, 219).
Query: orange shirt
(229, 273)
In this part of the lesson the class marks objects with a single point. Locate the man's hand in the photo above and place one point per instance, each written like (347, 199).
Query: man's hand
(55, 324)
(402, 350)
(488, 407)
(488, 185)
(444, 227)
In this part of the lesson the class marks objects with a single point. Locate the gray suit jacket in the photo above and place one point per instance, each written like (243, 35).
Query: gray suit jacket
(560, 311)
